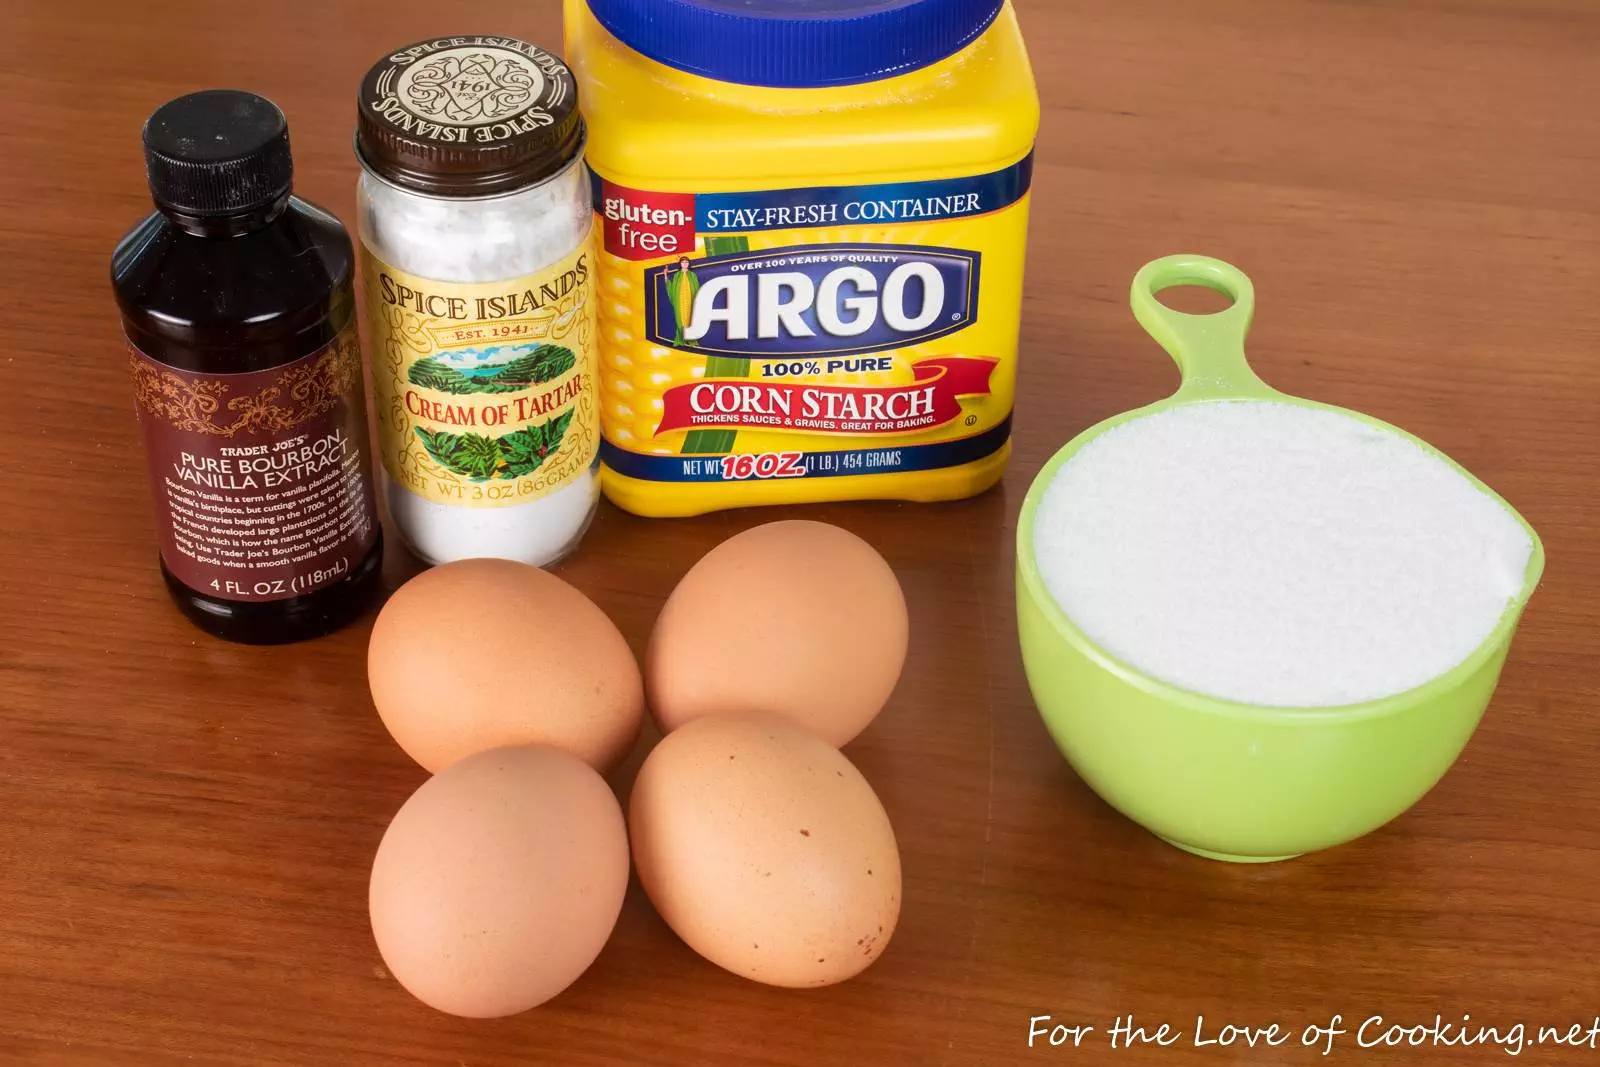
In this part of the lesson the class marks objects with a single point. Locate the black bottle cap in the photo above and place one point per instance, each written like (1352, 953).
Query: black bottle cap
(217, 153)
(468, 117)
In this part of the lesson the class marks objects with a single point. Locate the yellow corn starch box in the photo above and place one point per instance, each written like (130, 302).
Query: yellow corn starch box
(810, 270)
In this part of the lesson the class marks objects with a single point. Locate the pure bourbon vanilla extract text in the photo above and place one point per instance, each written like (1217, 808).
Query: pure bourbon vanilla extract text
(237, 301)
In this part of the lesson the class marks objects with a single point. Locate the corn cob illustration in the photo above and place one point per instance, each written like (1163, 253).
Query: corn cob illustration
(710, 442)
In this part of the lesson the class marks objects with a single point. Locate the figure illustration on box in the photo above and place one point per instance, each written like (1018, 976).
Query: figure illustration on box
(682, 285)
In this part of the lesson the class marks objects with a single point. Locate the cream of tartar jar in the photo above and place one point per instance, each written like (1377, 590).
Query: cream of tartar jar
(478, 298)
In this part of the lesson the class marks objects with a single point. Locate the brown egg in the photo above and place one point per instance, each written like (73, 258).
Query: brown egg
(766, 851)
(799, 619)
(484, 653)
(499, 881)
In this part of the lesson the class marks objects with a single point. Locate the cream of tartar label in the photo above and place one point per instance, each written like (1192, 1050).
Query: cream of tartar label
(484, 391)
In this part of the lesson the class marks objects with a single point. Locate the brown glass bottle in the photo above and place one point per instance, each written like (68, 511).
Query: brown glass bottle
(237, 302)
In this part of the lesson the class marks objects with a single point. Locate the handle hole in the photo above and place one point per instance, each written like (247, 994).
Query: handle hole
(1195, 298)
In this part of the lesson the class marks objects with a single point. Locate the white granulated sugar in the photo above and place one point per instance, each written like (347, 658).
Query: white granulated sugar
(486, 240)
(1275, 554)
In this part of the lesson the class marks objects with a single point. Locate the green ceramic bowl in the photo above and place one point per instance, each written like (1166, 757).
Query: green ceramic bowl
(1226, 780)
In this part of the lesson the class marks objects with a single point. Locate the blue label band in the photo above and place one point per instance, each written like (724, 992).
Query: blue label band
(812, 300)
(855, 205)
(886, 459)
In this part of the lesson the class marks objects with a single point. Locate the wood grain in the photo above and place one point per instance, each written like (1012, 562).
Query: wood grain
(186, 827)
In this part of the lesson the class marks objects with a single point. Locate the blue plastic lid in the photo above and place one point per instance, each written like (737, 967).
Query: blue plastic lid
(796, 44)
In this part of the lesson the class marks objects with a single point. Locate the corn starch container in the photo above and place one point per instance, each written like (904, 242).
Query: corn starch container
(813, 229)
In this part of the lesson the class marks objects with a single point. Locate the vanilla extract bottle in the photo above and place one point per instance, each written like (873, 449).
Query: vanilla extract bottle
(238, 306)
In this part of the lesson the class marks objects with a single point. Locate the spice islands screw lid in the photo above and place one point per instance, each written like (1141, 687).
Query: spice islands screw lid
(468, 117)
(796, 44)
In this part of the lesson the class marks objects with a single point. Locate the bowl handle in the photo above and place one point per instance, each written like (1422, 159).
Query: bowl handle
(1209, 349)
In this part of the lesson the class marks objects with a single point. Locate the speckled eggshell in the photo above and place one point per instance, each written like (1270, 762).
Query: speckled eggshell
(766, 851)
(481, 654)
(799, 619)
(499, 881)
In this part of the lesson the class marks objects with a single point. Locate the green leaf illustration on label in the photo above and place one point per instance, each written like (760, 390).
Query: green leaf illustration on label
(543, 364)
(526, 450)
(480, 458)
(468, 454)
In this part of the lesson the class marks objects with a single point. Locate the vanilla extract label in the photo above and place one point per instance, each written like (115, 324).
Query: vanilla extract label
(262, 480)
(238, 470)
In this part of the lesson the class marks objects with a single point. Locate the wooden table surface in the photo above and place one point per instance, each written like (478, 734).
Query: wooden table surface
(186, 826)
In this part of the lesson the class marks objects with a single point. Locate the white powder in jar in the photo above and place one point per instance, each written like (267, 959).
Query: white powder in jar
(1275, 554)
(485, 240)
